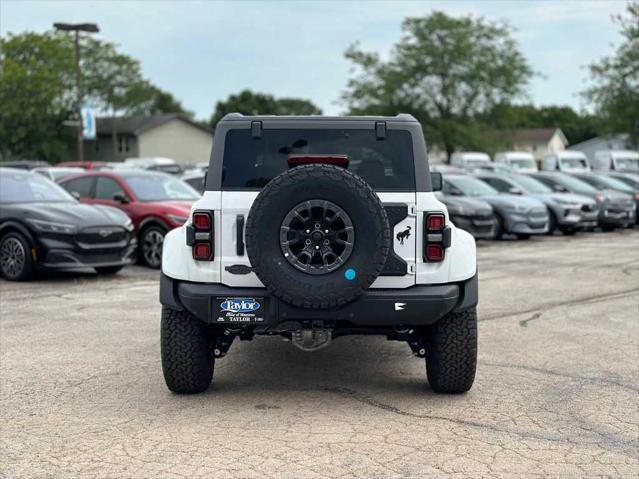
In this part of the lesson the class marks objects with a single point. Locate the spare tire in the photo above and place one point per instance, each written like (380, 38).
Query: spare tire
(317, 236)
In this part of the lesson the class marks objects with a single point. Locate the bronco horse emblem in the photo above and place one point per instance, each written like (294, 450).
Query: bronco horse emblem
(402, 235)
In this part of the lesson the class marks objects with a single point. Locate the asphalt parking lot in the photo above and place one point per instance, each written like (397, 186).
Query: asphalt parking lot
(82, 393)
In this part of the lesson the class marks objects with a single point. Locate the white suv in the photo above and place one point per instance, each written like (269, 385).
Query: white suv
(313, 228)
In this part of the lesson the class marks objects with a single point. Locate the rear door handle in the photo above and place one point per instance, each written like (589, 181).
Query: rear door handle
(239, 234)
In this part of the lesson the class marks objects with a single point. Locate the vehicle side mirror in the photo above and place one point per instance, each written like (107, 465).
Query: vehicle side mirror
(455, 192)
(75, 194)
(436, 180)
(559, 189)
(515, 191)
(121, 198)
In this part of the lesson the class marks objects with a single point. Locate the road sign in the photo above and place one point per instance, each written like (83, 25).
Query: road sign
(88, 123)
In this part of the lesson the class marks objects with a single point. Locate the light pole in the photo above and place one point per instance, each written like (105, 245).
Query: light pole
(77, 28)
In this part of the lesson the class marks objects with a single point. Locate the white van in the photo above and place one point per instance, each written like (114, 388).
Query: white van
(519, 161)
(469, 159)
(568, 161)
(618, 160)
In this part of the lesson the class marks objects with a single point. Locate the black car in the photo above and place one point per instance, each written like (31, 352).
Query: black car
(471, 214)
(43, 226)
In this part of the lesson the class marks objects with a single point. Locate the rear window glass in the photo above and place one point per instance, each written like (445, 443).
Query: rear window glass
(384, 164)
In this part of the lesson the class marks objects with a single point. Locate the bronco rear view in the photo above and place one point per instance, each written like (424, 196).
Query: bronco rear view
(313, 228)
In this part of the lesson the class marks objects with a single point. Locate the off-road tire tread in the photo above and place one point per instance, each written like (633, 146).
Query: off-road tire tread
(451, 353)
(306, 173)
(187, 359)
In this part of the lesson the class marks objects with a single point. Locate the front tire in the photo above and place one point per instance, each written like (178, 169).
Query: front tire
(451, 352)
(16, 262)
(187, 358)
(150, 246)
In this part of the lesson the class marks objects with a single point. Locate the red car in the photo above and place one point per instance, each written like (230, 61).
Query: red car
(155, 202)
(87, 165)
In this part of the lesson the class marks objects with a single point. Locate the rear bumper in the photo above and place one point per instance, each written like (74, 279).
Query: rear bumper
(417, 305)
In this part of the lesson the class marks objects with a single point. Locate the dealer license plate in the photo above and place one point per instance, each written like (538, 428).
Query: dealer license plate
(239, 310)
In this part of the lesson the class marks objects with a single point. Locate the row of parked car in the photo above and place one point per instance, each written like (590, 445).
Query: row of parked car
(102, 219)
(106, 217)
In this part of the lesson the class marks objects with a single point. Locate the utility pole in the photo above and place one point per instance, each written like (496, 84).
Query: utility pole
(77, 28)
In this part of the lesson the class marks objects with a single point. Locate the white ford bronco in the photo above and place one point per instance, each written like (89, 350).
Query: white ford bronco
(313, 228)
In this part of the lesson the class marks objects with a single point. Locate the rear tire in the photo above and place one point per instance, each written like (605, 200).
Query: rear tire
(187, 358)
(451, 352)
(108, 270)
(16, 262)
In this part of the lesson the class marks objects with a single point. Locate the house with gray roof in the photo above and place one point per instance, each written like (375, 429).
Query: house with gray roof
(168, 135)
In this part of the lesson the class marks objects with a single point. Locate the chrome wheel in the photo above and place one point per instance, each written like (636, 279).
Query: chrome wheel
(12, 257)
(152, 247)
(317, 236)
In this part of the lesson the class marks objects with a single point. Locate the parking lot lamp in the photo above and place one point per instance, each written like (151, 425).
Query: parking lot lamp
(77, 28)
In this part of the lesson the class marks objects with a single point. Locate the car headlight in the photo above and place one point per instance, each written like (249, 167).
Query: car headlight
(128, 225)
(600, 196)
(52, 227)
(178, 219)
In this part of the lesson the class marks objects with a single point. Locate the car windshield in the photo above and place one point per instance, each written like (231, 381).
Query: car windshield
(30, 188)
(250, 163)
(471, 186)
(608, 182)
(530, 185)
(574, 163)
(632, 180)
(520, 163)
(160, 188)
(626, 163)
(574, 184)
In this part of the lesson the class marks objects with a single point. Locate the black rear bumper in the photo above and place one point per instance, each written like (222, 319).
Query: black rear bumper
(417, 305)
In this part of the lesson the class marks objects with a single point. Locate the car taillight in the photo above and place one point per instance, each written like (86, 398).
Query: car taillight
(436, 237)
(201, 221)
(199, 235)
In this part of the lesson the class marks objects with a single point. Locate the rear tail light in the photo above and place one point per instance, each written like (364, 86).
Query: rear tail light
(435, 222)
(436, 237)
(201, 221)
(434, 252)
(199, 235)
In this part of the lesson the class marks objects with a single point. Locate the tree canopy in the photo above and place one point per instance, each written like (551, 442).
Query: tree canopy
(615, 89)
(252, 103)
(446, 72)
(38, 91)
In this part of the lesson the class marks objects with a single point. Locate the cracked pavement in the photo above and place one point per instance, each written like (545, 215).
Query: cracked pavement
(82, 393)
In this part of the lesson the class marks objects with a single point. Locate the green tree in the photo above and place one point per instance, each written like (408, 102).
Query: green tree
(446, 72)
(38, 91)
(615, 89)
(251, 103)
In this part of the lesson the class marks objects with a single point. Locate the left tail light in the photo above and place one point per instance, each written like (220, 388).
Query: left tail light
(436, 237)
(200, 236)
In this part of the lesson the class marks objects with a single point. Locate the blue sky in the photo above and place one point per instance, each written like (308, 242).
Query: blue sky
(202, 51)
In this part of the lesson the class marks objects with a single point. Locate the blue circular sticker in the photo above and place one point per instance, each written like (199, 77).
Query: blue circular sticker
(350, 274)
